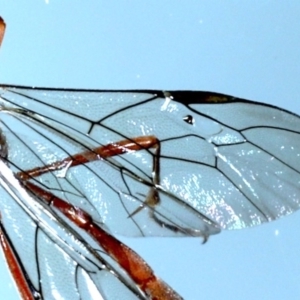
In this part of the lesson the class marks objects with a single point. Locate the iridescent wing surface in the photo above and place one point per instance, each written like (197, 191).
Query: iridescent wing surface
(232, 165)
(223, 163)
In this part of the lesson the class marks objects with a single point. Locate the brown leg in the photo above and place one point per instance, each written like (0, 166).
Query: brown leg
(140, 272)
(2, 30)
(102, 152)
(24, 286)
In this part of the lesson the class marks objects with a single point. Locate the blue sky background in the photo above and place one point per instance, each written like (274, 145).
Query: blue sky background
(248, 49)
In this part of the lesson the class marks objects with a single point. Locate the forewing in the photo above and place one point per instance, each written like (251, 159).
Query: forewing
(233, 166)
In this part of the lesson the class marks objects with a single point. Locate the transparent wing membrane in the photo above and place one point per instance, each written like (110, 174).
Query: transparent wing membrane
(220, 167)
(87, 163)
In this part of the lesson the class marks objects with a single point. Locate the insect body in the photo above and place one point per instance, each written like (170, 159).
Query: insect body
(78, 166)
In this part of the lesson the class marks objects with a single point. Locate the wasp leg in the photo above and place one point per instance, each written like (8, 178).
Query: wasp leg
(140, 272)
(24, 285)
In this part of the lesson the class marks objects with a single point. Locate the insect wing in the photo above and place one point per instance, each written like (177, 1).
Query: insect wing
(262, 164)
(57, 264)
(59, 259)
(219, 157)
(215, 171)
(111, 189)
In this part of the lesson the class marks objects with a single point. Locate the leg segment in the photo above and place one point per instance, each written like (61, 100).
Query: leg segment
(24, 285)
(102, 152)
(131, 262)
